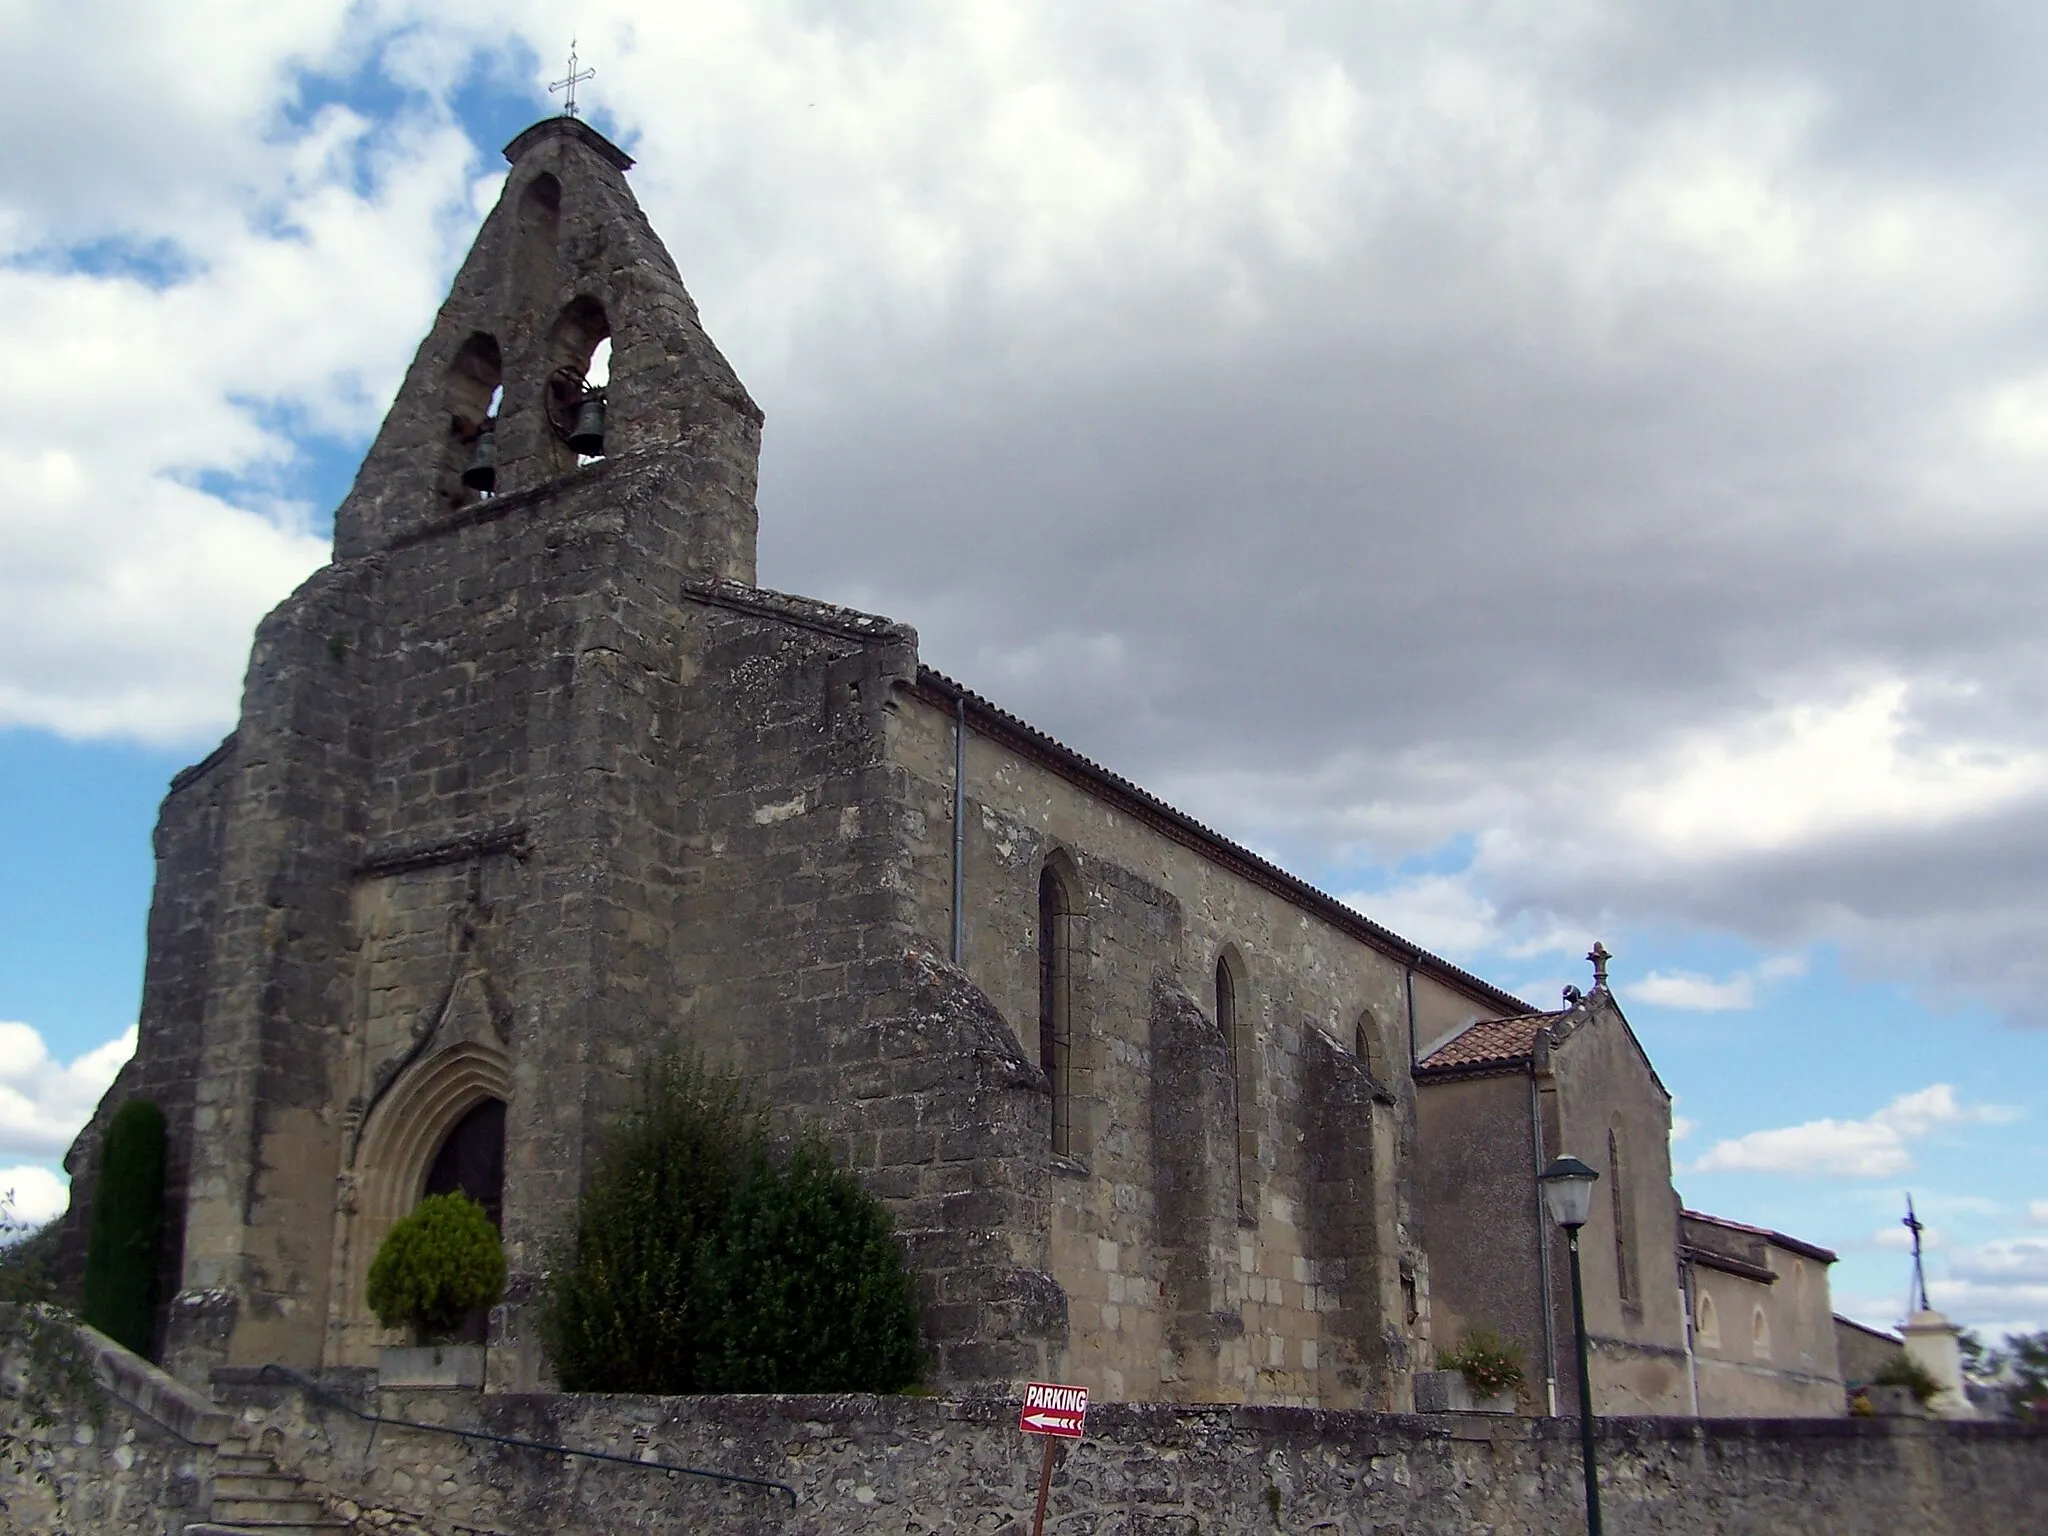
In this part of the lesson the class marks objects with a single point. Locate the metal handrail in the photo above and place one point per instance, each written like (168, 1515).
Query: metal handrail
(328, 1395)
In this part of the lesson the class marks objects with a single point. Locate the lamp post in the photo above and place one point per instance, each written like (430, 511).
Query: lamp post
(1568, 1194)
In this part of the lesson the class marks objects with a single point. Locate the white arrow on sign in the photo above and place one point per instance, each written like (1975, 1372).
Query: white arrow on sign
(1050, 1420)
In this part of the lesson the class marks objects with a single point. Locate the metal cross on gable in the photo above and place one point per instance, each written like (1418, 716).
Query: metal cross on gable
(570, 83)
(1914, 1225)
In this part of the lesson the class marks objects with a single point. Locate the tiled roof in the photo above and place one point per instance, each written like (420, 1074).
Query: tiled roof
(988, 716)
(1489, 1042)
(1790, 1244)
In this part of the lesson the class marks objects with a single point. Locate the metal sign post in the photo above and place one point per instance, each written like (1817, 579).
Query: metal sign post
(1051, 1412)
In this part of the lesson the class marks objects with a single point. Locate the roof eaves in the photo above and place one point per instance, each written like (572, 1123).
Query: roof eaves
(1727, 1263)
(1790, 1244)
(1185, 829)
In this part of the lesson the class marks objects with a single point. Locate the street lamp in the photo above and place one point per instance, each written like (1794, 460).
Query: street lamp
(1568, 1193)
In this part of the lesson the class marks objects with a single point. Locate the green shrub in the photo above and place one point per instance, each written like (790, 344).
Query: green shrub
(1490, 1363)
(124, 1251)
(437, 1266)
(804, 1287)
(1902, 1370)
(700, 1263)
(622, 1312)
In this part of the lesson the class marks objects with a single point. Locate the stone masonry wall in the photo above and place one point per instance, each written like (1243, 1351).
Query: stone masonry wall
(1274, 1266)
(863, 1465)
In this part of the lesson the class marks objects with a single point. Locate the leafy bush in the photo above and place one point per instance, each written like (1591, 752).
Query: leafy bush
(804, 1288)
(701, 1263)
(1490, 1363)
(124, 1251)
(437, 1266)
(621, 1313)
(1902, 1370)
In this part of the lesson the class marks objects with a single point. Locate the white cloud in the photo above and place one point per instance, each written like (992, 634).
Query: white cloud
(1873, 1148)
(45, 1102)
(1694, 992)
(39, 1196)
(2037, 1212)
(1439, 912)
(1683, 1126)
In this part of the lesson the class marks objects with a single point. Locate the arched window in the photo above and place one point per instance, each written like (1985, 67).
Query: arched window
(1055, 1001)
(1760, 1334)
(1365, 1045)
(1707, 1322)
(1625, 1278)
(1238, 1041)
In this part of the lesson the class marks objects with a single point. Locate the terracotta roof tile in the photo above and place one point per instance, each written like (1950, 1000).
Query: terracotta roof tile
(1488, 1042)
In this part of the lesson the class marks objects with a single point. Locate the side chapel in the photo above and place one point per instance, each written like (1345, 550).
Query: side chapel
(532, 780)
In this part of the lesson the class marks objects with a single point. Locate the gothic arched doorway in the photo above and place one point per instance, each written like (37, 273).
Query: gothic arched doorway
(472, 1160)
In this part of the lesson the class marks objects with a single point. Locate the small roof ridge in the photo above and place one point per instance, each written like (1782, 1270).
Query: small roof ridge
(1490, 1042)
(1791, 1244)
(572, 127)
(1292, 886)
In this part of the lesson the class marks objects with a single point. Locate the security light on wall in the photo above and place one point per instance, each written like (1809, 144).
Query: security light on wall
(1568, 1191)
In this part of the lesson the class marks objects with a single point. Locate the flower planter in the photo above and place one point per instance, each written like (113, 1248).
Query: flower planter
(1450, 1392)
(454, 1366)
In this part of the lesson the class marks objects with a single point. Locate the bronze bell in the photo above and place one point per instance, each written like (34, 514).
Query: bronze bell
(588, 438)
(482, 474)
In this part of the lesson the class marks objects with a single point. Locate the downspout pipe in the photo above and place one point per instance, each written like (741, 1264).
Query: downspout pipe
(1409, 979)
(959, 828)
(1543, 1243)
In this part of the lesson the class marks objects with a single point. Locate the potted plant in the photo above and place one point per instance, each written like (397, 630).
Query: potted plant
(433, 1270)
(1482, 1375)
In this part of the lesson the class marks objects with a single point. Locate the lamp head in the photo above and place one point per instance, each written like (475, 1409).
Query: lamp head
(1568, 1191)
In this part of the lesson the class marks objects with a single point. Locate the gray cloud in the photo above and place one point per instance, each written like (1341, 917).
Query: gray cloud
(1556, 427)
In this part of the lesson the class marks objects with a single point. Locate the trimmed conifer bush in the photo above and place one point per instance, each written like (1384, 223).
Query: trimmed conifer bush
(701, 1263)
(437, 1266)
(805, 1286)
(622, 1312)
(124, 1251)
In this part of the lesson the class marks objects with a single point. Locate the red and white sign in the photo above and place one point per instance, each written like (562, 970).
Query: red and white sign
(1051, 1409)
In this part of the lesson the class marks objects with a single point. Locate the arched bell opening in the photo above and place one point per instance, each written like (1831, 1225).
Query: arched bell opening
(471, 392)
(578, 385)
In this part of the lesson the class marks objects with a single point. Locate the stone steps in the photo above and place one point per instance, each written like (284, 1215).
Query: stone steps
(252, 1497)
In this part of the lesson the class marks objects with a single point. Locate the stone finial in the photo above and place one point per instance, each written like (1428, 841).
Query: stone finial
(1573, 997)
(1599, 955)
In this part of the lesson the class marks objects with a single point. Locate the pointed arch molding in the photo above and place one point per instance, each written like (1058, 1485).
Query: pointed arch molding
(392, 1157)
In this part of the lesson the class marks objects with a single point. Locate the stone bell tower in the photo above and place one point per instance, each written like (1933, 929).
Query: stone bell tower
(529, 782)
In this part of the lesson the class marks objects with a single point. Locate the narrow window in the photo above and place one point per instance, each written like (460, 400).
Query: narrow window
(1707, 1328)
(1624, 1222)
(1237, 1041)
(1760, 1335)
(1365, 1046)
(1055, 1002)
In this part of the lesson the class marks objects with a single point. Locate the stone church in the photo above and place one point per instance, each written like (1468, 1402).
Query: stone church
(532, 780)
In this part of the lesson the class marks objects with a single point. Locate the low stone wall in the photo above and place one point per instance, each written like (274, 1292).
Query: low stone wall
(909, 1465)
(142, 1463)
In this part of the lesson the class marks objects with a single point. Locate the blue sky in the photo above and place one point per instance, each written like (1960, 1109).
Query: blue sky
(1540, 475)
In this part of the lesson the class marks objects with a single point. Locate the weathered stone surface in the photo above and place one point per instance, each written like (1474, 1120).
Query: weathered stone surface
(874, 1465)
